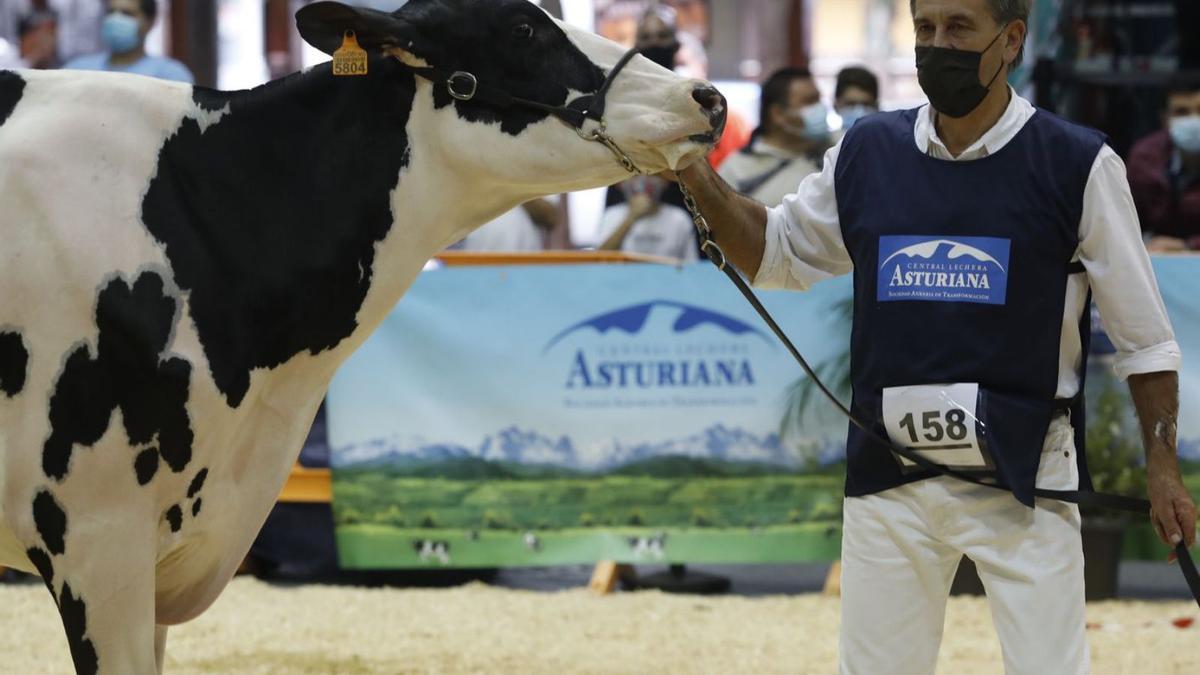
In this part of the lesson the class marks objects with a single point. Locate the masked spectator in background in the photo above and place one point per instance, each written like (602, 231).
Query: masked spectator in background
(660, 40)
(657, 39)
(1164, 174)
(38, 34)
(856, 95)
(789, 143)
(644, 224)
(124, 34)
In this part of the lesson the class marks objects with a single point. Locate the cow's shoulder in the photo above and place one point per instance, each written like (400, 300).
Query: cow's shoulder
(270, 203)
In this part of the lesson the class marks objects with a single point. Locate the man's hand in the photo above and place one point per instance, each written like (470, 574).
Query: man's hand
(1172, 509)
(641, 206)
(1156, 397)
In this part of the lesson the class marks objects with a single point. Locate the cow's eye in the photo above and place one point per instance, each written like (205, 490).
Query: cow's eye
(522, 31)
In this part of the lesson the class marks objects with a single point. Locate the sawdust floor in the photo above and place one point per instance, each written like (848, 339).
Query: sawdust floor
(260, 628)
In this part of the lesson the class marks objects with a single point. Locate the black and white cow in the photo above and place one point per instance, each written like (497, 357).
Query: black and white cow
(427, 549)
(182, 270)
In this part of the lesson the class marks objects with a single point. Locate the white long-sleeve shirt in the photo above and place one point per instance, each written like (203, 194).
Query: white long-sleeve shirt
(804, 245)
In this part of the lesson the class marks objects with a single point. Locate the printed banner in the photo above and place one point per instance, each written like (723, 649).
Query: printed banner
(568, 414)
(509, 416)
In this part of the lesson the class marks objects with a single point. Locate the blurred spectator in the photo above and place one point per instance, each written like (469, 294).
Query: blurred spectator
(39, 40)
(656, 37)
(1164, 173)
(789, 143)
(525, 228)
(856, 95)
(9, 56)
(78, 23)
(124, 33)
(644, 224)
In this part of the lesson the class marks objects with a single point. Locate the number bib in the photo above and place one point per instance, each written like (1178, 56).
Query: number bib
(937, 421)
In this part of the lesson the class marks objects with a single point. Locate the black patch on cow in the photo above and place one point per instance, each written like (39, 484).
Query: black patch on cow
(197, 483)
(544, 68)
(44, 565)
(131, 371)
(12, 87)
(51, 522)
(146, 465)
(270, 217)
(74, 617)
(196, 508)
(175, 518)
(14, 358)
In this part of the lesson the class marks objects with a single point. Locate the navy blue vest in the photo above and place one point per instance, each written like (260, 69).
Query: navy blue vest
(960, 272)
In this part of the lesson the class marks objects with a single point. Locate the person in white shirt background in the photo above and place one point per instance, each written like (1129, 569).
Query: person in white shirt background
(980, 150)
(522, 230)
(643, 223)
(788, 144)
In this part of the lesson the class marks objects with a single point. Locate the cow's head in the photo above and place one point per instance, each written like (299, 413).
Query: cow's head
(511, 46)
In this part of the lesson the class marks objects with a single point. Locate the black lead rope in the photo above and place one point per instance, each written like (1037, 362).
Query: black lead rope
(1079, 497)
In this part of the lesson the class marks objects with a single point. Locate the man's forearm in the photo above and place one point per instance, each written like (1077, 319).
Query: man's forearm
(1156, 398)
(739, 224)
(617, 238)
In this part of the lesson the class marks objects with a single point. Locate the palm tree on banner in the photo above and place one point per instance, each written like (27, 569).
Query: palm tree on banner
(805, 407)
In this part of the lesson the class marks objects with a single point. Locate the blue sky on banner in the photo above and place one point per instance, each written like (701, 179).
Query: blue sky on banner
(470, 352)
(1178, 279)
(634, 354)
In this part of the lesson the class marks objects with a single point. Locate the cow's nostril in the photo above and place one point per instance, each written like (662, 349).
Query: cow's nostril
(709, 98)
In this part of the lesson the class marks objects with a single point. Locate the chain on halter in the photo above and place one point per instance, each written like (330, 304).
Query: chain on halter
(703, 231)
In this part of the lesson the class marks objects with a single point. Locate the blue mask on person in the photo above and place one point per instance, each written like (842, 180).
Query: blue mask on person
(120, 33)
(853, 113)
(1185, 133)
(810, 122)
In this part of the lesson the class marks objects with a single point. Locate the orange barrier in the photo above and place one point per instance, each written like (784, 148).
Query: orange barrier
(308, 486)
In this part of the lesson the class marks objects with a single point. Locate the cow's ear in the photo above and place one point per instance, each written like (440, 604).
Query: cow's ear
(324, 24)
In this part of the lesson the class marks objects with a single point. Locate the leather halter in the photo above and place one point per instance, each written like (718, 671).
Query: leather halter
(464, 86)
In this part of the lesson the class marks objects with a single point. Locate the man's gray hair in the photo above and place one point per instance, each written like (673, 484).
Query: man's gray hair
(1004, 12)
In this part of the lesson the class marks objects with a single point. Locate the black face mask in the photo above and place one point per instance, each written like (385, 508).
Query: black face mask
(950, 78)
(663, 56)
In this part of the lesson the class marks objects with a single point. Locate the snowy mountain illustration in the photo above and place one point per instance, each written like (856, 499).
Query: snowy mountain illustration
(951, 250)
(718, 443)
(633, 320)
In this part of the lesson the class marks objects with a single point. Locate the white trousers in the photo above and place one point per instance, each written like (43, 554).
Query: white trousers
(900, 550)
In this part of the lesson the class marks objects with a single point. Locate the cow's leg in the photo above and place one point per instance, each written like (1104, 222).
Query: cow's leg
(160, 647)
(108, 615)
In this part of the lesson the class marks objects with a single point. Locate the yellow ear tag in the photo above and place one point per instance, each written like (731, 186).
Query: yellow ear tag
(350, 59)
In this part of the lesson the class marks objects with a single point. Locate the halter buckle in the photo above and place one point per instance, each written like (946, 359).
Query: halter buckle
(462, 77)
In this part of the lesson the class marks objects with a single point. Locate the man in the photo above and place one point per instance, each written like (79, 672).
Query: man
(855, 95)
(1164, 173)
(39, 40)
(974, 227)
(788, 144)
(644, 224)
(521, 230)
(124, 34)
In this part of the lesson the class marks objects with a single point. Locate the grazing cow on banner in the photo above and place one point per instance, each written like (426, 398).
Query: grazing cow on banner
(182, 270)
